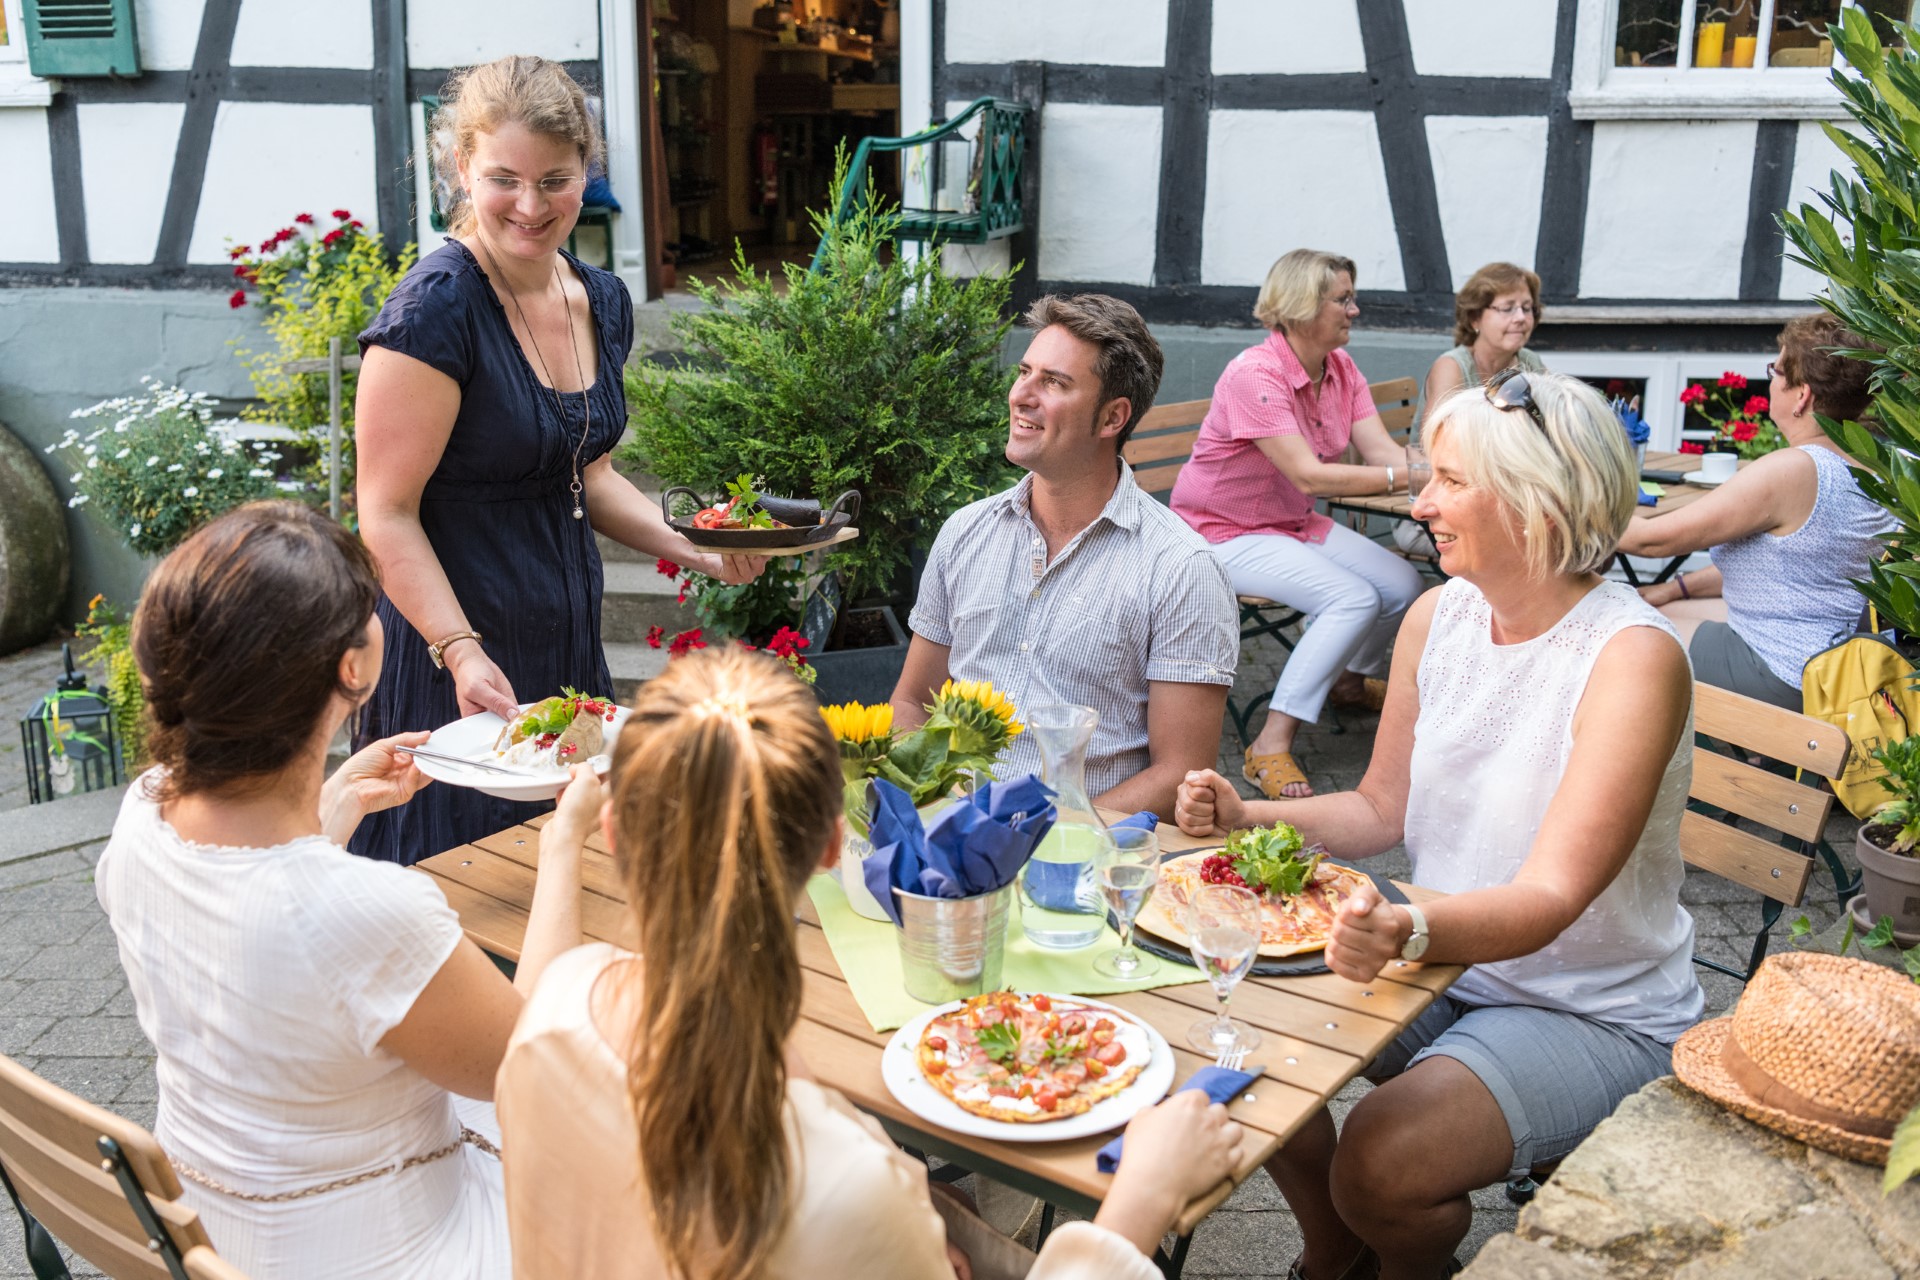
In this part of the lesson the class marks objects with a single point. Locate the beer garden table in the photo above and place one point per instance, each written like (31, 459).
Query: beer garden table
(1317, 1032)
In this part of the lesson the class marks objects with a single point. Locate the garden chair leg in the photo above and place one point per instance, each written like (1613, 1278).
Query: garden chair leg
(1046, 1226)
(43, 1255)
(1172, 1263)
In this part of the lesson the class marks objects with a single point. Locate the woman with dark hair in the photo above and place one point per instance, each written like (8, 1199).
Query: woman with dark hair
(658, 1119)
(486, 415)
(314, 1013)
(1493, 316)
(1788, 535)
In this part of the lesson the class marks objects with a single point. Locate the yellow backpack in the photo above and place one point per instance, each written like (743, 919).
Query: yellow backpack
(1866, 687)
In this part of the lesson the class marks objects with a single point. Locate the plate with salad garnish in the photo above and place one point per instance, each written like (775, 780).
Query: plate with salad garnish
(750, 522)
(530, 756)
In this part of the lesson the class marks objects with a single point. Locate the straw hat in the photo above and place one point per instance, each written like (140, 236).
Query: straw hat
(1824, 1049)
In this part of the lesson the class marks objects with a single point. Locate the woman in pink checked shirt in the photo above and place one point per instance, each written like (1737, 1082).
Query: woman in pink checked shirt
(1282, 413)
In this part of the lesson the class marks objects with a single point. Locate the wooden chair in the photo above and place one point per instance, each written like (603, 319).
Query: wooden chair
(98, 1182)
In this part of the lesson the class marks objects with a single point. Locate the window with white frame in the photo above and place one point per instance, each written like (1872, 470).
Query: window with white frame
(1658, 379)
(19, 87)
(1713, 59)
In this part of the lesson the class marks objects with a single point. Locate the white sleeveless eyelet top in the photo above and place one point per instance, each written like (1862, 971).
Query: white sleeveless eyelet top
(1490, 747)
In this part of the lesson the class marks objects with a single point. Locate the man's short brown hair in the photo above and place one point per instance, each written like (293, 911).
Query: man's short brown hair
(1129, 364)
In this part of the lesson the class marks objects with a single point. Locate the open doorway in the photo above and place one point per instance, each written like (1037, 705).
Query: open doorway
(749, 100)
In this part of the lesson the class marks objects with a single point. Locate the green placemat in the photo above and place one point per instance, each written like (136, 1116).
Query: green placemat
(1652, 490)
(869, 958)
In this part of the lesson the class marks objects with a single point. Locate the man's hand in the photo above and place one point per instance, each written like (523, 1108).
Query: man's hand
(1367, 933)
(373, 778)
(1207, 805)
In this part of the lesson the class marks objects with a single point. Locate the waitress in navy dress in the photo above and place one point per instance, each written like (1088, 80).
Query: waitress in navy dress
(489, 401)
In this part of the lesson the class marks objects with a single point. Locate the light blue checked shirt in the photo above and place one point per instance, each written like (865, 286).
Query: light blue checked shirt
(1137, 596)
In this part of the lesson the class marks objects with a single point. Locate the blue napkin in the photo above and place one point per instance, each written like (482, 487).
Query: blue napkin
(1637, 429)
(1218, 1083)
(974, 847)
(1145, 820)
(1648, 500)
(1057, 885)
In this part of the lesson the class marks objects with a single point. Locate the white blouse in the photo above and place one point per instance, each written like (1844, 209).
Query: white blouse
(265, 979)
(1490, 748)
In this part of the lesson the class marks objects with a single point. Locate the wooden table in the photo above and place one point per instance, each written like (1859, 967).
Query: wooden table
(1399, 506)
(1316, 1032)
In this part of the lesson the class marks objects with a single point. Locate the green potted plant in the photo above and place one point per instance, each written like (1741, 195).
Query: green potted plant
(1889, 867)
(879, 372)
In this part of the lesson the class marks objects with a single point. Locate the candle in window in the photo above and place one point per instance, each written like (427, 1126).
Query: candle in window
(1743, 47)
(1711, 45)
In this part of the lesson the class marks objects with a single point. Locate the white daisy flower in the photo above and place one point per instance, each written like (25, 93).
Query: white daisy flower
(215, 474)
(191, 491)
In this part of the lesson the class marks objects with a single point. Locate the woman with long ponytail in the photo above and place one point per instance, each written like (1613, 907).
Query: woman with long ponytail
(657, 1120)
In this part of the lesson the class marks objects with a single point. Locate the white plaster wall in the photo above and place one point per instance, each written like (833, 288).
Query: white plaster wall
(1482, 37)
(426, 237)
(1814, 160)
(1119, 33)
(1292, 37)
(293, 33)
(271, 160)
(1266, 196)
(1488, 172)
(169, 30)
(1667, 209)
(1100, 192)
(126, 166)
(457, 33)
(27, 232)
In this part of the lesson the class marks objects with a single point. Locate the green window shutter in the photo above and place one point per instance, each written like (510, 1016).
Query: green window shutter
(81, 38)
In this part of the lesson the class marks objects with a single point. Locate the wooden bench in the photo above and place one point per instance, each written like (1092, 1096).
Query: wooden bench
(1163, 442)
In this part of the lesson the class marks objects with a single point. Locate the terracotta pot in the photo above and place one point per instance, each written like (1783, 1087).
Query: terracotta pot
(1889, 881)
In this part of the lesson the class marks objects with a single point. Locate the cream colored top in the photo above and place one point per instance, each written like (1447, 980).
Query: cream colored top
(575, 1204)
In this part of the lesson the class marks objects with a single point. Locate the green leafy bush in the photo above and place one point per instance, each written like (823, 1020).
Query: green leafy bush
(314, 286)
(879, 373)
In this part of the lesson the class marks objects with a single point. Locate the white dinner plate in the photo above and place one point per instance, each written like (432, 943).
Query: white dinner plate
(473, 739)
(900, 1068)
(1694, 477)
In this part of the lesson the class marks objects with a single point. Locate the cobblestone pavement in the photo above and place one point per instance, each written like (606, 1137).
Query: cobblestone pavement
(65, 1011)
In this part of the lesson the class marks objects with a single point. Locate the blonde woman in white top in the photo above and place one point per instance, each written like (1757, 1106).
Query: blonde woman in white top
(658, 1120)
(315, 1013)
(1534, 755)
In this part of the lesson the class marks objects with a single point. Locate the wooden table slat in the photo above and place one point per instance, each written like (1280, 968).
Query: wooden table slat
(598, 875)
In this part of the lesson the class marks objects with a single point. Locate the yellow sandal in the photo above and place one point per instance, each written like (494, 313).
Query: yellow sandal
(1372, 696)
(1272, 772)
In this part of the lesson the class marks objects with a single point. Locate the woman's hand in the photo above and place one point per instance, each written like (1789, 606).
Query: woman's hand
(1207, 805)
(732, 570)
(1366, 935)
(478, 683)
(373, 778)
(1176, 1152)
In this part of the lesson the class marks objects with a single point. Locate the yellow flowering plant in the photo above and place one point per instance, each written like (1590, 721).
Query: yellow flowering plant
(968, 725)
(865, 735)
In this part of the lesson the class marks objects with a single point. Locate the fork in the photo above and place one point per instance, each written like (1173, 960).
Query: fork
(1230, 1057)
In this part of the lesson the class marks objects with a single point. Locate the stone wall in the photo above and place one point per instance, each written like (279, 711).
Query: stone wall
(1674, 1186)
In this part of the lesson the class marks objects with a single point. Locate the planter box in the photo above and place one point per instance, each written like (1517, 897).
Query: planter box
(1889, 881)
(867, 671)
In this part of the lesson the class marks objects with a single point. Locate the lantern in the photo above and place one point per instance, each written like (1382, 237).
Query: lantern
(68, 739)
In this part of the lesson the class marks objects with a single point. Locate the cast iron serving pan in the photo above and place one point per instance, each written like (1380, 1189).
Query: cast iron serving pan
(807, 522)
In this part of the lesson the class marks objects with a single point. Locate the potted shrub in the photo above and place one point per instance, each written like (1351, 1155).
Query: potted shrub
(1889, 867)
(880, 373)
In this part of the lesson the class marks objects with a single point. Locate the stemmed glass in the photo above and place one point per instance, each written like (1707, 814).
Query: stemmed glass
(1127, 879)
(1419, 469)
(1223, 932)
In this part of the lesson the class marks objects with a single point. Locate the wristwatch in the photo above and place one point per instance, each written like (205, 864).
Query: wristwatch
(1417, 941)
(439, 648)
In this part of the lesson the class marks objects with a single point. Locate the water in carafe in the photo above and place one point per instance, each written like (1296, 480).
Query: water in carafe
(1060, 905)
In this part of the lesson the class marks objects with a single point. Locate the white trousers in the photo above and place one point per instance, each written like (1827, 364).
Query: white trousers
(1356, 591)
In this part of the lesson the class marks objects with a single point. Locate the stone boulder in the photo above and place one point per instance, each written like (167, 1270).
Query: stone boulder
(34, 560)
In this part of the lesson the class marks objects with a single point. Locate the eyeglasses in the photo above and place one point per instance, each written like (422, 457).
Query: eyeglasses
(1775, 371)
(552, 188)
(1346, 302)
(1513, 308)
(1511, 390)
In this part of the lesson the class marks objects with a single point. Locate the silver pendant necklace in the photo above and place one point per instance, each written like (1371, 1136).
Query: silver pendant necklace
(579, 372)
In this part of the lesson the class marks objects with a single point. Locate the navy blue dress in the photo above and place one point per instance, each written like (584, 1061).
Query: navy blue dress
(500, 517)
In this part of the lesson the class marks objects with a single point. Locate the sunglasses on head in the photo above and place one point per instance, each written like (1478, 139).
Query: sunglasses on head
(1511, 390)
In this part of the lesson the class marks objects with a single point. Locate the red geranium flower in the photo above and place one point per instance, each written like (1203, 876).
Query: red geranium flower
(1694, 394)
(356, 223)
(1692, 446)
(1756, 405)
(1745, 431)
(341, 214)
(327, 241)
(239, 251)
(288, 233)
(238, 298)
(681, 644)
(654, 633)
(682, 597)
(1616, 386)
(666, 568)
(304, 219)
(1733, 380)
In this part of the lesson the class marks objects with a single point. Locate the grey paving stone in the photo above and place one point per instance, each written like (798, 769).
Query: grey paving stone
(13, 956)
(29, 870)
(99, 1080)
(17, 1033)
(73, 998)
(43, 927)
(91, 1038)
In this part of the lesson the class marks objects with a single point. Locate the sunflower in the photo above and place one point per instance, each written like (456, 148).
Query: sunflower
(980, 716)
(854, 724)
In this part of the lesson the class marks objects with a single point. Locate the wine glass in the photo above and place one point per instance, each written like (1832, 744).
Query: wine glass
(1127, 878)
(1223, 932)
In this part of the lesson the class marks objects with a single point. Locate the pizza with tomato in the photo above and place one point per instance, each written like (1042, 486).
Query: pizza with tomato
(1029, 1059)
(1298, 889)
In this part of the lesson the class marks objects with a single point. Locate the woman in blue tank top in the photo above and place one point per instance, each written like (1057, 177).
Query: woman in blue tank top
(1788, 534)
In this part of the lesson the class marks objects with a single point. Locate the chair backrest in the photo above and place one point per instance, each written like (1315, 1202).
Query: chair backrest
(204, 1264)
(1798, 812)
(1163, 440)
(50, 1150)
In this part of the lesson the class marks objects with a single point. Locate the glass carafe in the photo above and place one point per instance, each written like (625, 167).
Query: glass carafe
(1061, 906)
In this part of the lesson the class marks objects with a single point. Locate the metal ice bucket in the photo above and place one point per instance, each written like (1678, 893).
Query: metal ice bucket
(952, 947)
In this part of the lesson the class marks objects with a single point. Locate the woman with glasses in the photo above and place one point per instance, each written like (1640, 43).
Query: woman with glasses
(1534, 756)
(1493, 316)
(488, 404)
(1788, 535)
(1283, 414)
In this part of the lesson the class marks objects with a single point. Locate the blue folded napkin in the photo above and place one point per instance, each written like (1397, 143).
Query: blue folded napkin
(975, 846)
(1217, 1083)
(1648, 500)
(1637, 429)
(1145, 820)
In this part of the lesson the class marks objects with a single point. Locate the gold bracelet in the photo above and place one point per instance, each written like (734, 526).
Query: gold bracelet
(435, 651)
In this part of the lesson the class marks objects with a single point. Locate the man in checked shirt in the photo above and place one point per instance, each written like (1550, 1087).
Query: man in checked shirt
(1076, 587)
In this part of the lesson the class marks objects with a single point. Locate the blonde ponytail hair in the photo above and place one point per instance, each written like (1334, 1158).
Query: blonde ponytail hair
(726, 788)
(517, 89)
